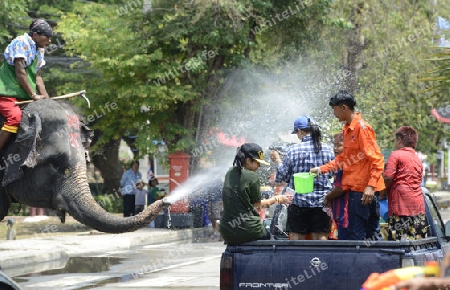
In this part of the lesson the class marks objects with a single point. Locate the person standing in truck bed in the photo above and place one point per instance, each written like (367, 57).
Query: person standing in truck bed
(336, 198)
(305, 214)
(362, 164)
(403, 178)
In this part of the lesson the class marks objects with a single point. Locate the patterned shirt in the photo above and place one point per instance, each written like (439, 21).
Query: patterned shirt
(24, 47)
(339, 205)
(301, 158)
(128, 181)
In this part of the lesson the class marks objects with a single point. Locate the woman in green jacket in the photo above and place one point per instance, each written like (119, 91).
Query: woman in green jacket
(240, 222)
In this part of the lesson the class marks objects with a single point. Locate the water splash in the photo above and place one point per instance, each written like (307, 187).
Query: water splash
(260, 106)
(197, 184)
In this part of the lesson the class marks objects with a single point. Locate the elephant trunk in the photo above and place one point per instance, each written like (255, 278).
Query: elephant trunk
(75, 197)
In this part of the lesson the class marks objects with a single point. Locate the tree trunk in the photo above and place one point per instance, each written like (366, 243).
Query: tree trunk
(204, 118)
(206, 114)
(107, 162)
(353, 59)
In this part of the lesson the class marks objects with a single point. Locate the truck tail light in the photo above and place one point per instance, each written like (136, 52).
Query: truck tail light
(226, 272)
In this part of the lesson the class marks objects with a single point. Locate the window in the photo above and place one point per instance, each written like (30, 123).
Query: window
(437, 221)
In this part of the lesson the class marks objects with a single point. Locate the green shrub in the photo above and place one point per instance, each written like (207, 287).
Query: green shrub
(17, 209)
(110, 202)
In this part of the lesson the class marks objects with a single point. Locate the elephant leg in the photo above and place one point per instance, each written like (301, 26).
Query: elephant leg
(4, 137)
(62, 215)
(5, 203)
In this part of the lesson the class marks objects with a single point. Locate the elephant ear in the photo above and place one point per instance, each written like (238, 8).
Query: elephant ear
(24, 148)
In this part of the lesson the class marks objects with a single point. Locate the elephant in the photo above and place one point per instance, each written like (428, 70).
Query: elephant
(45, 166)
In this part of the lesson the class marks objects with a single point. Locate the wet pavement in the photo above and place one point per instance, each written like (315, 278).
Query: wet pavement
(49, 254)
(18, 257)
(443, 202)
(178, 265)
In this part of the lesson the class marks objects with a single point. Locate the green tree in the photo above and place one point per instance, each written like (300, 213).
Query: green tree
(165, 68)
(12, 19)
(388, 43)
(438, 78)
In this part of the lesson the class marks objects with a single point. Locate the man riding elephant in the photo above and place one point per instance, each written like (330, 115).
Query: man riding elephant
(20, 75)
(49, 168)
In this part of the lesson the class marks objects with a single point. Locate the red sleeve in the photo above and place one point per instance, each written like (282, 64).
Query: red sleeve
(391, 167)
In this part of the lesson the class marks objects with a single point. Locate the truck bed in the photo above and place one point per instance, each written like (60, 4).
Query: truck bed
(283, 264)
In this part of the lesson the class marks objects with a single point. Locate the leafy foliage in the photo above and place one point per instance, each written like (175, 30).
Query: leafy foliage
(398, 38)
(110, 202)
(175, 72)
(12, 18)
(164, 68)
(439, 76)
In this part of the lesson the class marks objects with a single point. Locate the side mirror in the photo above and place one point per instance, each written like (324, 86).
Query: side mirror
(447, 229)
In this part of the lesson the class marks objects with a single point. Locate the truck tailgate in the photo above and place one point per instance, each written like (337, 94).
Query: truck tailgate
(312, 264)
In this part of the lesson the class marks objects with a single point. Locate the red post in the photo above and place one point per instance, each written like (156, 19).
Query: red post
(33, 211)
(178, 173)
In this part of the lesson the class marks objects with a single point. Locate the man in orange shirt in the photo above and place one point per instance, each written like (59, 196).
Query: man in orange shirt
(362, 164)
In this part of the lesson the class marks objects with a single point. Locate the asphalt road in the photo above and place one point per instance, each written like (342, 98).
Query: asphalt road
(171, 266)
(139, 260)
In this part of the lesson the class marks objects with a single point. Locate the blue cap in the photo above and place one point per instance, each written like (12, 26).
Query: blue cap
(302, 122)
